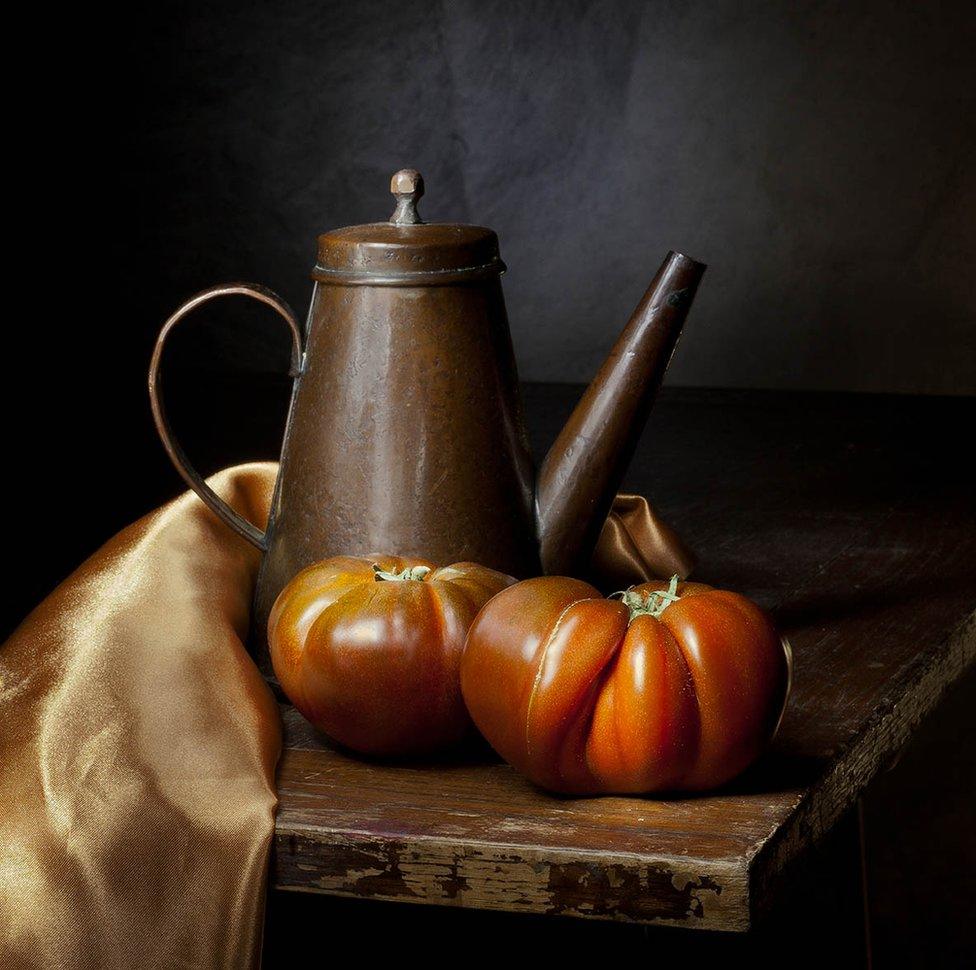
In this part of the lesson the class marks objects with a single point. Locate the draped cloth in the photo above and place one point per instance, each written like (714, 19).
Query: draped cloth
(637, 545)
(138, 743)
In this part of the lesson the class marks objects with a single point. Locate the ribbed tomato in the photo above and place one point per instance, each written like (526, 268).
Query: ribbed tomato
(368, 649)
(673, 687)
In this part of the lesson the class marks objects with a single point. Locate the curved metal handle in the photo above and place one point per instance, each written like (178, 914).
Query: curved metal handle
(189, 474)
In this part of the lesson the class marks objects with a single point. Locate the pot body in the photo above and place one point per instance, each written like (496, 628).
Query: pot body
(405, 436)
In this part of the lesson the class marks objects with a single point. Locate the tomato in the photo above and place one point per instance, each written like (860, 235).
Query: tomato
(673, 687)
(368, 649)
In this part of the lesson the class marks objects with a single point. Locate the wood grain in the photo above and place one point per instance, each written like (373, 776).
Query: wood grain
(844, 515)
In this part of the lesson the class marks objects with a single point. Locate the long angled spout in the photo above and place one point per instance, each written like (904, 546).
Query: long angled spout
(585, 466)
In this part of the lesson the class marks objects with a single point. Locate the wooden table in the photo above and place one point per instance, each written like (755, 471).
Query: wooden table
(852, 519)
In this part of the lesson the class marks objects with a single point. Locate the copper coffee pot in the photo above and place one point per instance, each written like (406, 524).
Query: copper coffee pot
(405, 433)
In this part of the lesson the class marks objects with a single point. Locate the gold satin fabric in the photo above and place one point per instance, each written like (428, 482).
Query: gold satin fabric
(636, 545)
(137, 751)
(138, 742)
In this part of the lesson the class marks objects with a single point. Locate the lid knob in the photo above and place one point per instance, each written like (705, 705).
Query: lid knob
(407, 186)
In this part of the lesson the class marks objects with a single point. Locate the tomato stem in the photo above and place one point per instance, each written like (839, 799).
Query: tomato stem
(654, 604)
(418, 573)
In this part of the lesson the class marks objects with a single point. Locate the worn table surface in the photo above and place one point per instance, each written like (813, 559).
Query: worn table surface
(852, 519)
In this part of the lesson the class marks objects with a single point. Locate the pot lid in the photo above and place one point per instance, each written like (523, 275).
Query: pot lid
(406, 251)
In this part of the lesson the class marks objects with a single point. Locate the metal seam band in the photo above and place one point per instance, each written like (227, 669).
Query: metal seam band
(432, 277)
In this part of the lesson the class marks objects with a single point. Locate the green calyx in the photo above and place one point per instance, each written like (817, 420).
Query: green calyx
(653, 604)
(417, 573)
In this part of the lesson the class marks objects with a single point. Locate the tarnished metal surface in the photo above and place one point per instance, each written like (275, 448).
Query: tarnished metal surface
(405, 433)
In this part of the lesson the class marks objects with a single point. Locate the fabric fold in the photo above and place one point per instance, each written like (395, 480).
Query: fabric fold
(637, 545)
(138, 744)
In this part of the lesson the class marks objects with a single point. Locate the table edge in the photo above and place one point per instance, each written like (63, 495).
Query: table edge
(729, 894)
(922, 685)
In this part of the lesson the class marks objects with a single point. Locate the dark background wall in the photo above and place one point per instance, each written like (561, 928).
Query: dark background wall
(820, 156)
